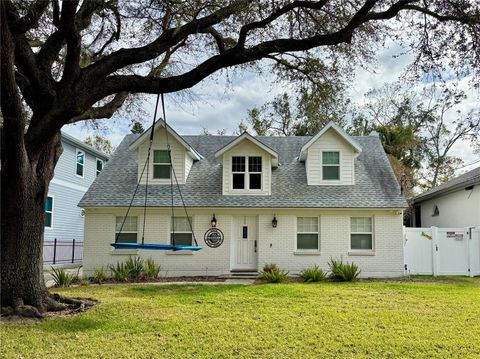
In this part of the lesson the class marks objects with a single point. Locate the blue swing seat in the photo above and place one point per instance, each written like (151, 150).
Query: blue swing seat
(153, 246)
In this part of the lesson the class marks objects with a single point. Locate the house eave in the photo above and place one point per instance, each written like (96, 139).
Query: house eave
(80, 144)
(303, 152)
(160, 123)
(246, 136)
(442, 192)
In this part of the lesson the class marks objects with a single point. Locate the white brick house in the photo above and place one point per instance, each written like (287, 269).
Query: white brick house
(332, 195)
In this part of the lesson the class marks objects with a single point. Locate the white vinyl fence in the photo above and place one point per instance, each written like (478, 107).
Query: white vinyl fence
(442, 251)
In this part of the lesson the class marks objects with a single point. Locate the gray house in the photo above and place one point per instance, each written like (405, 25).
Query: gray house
(77, 168)
(455, 203)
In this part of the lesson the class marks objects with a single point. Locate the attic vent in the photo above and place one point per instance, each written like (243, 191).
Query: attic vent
(436, 212)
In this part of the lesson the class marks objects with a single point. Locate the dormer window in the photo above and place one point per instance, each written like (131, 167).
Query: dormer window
(247, 177)
(161, 164)
(331, 165)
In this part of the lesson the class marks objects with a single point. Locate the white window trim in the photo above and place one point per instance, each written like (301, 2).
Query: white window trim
(340, 166)
(161, 163)
(53, 207)
(246, 173)
(307, 251)
(77, 151)
(361, 251)
(181, 232)
(123, 230)
(96, 165)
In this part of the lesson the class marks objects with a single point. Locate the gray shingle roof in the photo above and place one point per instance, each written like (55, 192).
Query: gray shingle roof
(467, 179)
(375, 184)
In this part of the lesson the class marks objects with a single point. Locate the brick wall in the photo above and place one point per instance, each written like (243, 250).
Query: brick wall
(275, 245)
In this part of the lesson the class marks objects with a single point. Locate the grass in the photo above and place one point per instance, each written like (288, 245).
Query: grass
(266, 321)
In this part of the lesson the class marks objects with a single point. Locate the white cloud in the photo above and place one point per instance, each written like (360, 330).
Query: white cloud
(222, 101)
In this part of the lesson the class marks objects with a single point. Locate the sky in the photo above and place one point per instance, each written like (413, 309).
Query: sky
(222, 102)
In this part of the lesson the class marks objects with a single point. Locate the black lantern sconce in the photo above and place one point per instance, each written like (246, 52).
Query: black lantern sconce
(274, 222)
(214, 221)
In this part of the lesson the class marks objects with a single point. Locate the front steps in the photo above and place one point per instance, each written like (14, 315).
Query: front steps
(240, 275)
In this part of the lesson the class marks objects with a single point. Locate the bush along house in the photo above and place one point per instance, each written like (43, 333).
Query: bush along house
(292, 201)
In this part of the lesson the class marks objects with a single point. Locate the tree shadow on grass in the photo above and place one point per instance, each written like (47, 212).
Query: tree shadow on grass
(185, 290)
(62, 325)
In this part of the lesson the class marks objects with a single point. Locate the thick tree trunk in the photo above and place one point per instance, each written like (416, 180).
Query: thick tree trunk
(24, 189)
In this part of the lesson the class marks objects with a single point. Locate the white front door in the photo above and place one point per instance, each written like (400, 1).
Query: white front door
(244, 254)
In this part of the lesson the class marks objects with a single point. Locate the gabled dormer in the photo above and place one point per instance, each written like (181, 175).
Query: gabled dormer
(329, 157)
(160, 170)
(247, 166)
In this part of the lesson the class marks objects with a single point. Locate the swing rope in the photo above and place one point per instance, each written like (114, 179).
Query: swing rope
(146, 167)
(176, 181)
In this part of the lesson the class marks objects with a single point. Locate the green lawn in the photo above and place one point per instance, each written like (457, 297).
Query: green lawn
(286, 320)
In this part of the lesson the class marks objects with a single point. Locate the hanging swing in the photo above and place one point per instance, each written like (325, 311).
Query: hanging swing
(157, 246)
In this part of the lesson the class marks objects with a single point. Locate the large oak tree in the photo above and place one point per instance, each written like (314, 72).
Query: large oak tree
(70, 61)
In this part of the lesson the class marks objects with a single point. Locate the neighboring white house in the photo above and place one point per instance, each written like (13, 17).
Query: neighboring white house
(455, 203)
(76, 169)
(293, 201)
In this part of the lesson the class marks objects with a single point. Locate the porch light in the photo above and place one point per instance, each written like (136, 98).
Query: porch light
(274, 222)
(214, 221)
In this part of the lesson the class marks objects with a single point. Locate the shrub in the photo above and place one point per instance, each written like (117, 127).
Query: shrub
(150, 269)
(269, 267)
(313, 274)
(134, 267)
(343, 272)
(272, 274)
(119, 271)
(99, 275)
(62, 278)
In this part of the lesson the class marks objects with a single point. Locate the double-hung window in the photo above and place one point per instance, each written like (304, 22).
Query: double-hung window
(161, 164)
(99, 166)
(361, 233)
(181, 233)
(128, 233)
(49, 212)
(247, 176)
(307, 233)
(331, 165)
(79, 163)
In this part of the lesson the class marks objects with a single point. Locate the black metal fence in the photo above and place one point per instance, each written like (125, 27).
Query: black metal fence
(62, 251)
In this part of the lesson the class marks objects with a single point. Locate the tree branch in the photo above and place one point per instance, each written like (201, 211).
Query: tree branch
(25, 23)
(169, 38)
(467, 20)
(72, 35)
(54, 43)
(290, 66)
(275, 15)
(105, 111)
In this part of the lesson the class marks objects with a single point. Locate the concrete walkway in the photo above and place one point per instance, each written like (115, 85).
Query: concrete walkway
(49, 282)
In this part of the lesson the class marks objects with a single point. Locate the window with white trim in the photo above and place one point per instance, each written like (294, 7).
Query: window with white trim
(79, 162)
(129, 232)
(161, 164)
(361, 233)
(99, 166)
(247, 177)
(181, 232)
(331, 165)
(49, 212)
(307, 233)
